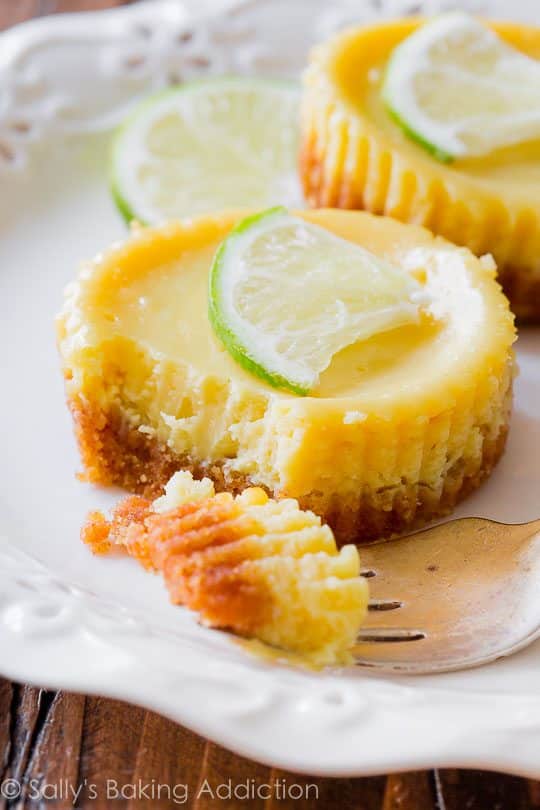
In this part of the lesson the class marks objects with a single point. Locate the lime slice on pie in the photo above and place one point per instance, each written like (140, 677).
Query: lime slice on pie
(286, 295)
(208, 145)
(461, 91)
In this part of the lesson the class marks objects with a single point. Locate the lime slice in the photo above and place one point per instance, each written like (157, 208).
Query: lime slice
(460, 91)
(286, 295)
(208, 145)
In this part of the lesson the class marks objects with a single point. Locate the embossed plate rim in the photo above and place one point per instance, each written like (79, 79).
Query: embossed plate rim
(85, 636)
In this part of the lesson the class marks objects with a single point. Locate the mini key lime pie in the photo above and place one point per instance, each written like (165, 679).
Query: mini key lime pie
(435, 123)
(356, 364)
(261, 568)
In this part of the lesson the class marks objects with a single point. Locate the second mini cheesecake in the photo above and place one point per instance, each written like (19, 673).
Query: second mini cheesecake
(355, 155)
(400, 427)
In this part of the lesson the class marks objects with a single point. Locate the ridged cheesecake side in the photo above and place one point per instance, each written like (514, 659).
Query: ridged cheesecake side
(425, 466)
(369, 472)
(348, 161)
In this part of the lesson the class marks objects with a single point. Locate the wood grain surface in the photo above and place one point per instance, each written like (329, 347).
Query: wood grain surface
(59, 750)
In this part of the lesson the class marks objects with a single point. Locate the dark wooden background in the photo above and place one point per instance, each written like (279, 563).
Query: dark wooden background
(51, 742)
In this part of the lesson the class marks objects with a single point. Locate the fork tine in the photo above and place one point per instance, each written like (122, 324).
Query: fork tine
(388, 635)
(384, 604)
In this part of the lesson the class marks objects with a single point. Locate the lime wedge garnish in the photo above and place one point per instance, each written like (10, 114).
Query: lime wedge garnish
(460, 91)
(208, 145)
(286, 295)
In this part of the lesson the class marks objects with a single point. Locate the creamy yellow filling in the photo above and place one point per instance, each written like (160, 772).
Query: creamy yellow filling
(163, 308)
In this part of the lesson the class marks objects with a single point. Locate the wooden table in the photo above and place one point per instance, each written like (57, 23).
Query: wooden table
(53, 743)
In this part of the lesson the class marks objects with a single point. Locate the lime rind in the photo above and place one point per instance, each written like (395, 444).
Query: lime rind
(123, 207)
(435, 151)
(123, 196)
(230, 340)
(393, 89)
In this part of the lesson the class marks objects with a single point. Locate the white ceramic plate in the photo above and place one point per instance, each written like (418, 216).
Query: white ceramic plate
(104, 626)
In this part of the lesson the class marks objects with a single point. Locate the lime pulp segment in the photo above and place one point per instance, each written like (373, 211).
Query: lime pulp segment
(208, 145)
(460, 91)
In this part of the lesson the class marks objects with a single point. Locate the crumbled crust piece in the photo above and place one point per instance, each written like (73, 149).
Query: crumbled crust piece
(102, 535)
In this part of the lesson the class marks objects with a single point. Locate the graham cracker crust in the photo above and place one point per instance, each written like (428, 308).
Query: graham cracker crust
(115, 452)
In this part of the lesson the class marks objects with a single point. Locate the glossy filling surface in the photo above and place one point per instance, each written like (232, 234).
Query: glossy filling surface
(357, 69)
(162, 308)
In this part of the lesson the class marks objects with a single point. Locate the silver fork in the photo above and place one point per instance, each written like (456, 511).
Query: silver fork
(451, 597)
